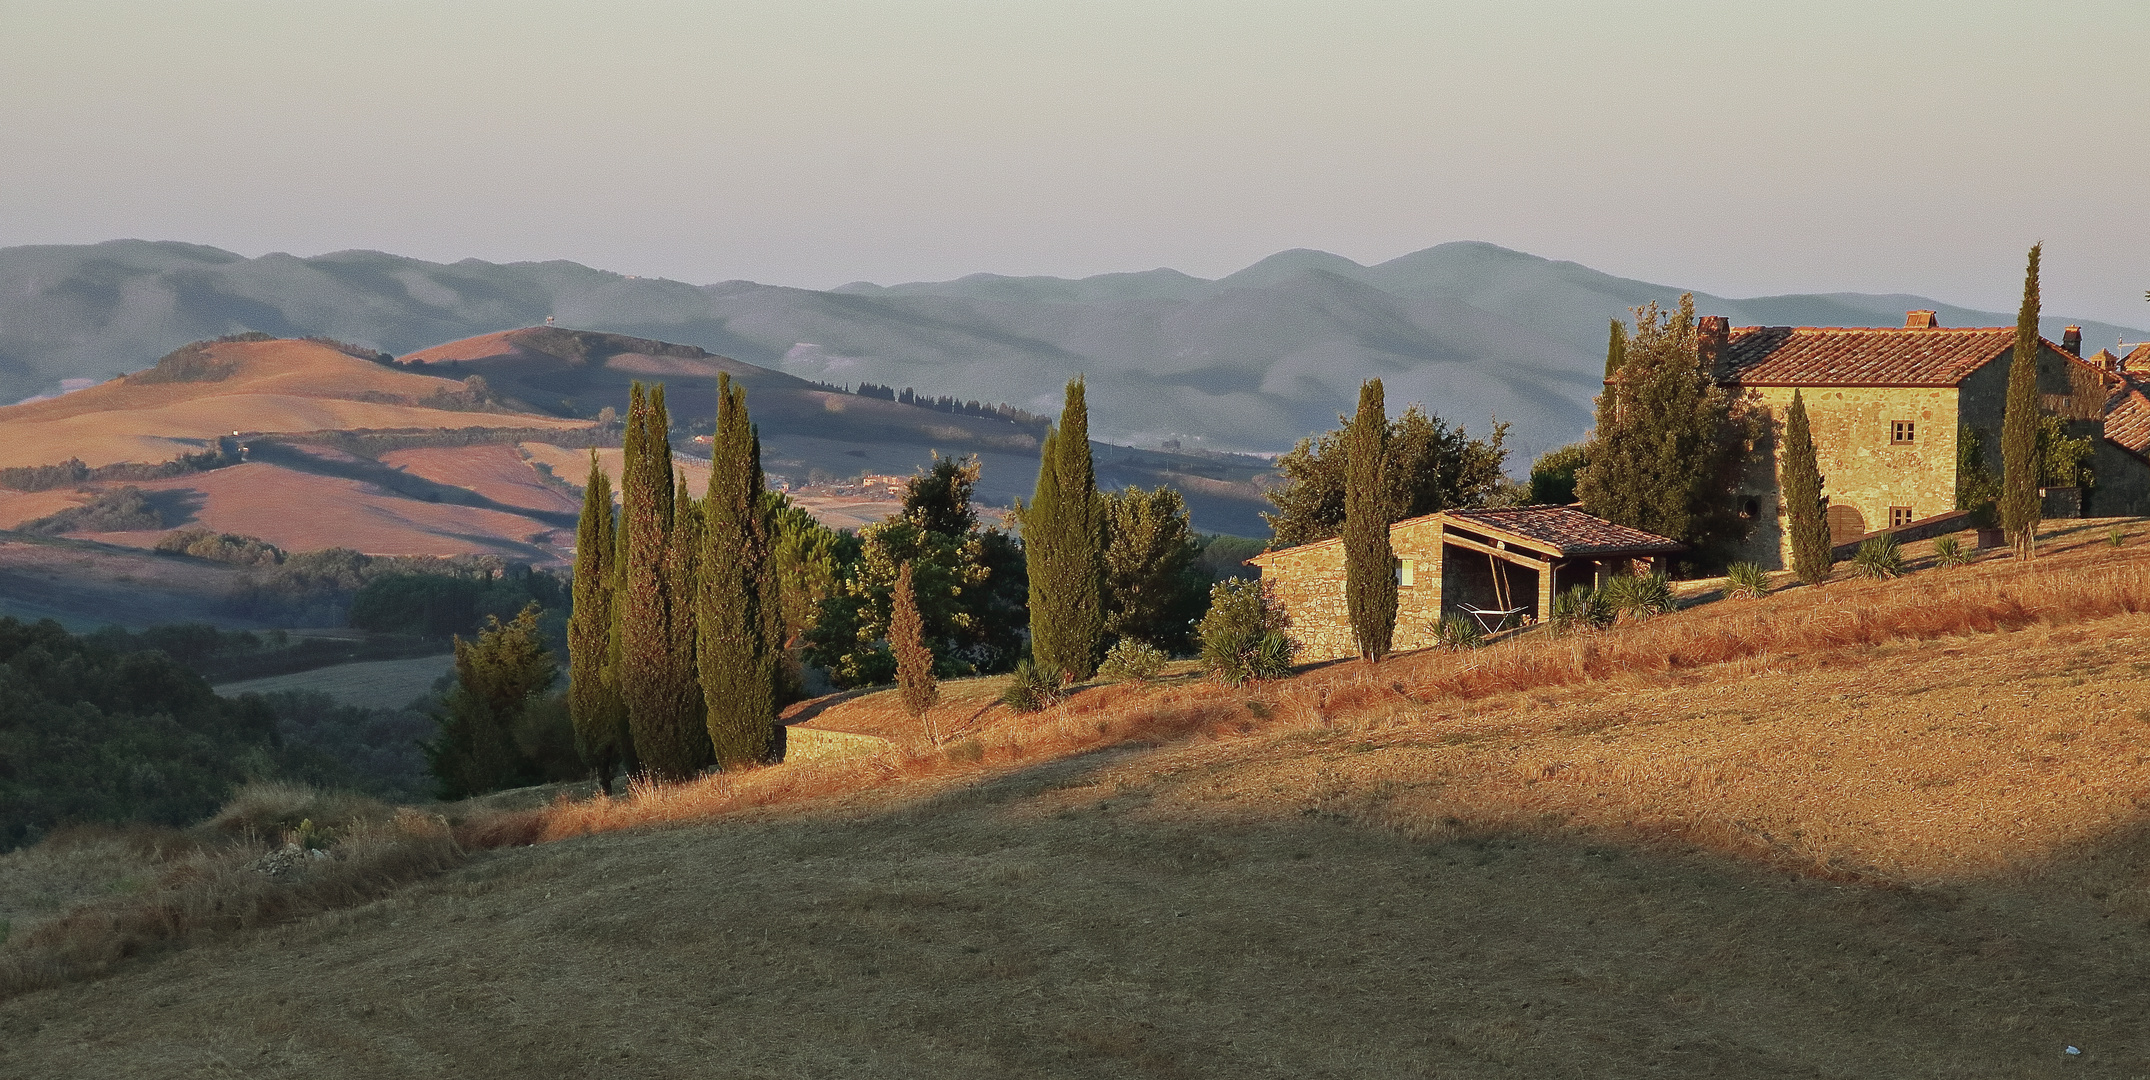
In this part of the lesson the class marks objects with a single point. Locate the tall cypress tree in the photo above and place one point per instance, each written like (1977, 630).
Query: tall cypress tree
(2020, 467)
(1369, 562)
(1616, 348)
(593, 699)
(672, 746)
(739, 612)
(914, 660)
(1063, 548)
(1799, 479)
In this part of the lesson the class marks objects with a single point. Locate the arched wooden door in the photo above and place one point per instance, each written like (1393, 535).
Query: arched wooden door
(1846, 524)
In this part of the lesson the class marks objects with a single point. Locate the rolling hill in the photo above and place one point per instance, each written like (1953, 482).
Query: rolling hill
(1251, 361)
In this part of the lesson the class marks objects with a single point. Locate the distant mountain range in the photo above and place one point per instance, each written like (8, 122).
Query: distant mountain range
(1251, 361)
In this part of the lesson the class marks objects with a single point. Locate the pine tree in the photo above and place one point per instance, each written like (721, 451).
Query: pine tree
(1616, 348)
(740, 610)
(1154, 590)
(1666, 454)
(593, 695)
(496, 676)
(2020, 467)
(671, 746)
(1063, 537)
(1799, 479)
(914, 661)
(1369, 562)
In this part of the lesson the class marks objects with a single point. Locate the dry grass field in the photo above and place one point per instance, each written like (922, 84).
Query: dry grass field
(298, 510)
(496, 472)
(374, 684)
(86, 585)
(274, 386)
(1870, 829)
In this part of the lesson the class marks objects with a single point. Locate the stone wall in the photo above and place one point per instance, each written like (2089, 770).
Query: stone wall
(1309, 581)
(1862, 468)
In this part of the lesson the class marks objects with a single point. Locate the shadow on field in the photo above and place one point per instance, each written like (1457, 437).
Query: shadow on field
(1053, 922)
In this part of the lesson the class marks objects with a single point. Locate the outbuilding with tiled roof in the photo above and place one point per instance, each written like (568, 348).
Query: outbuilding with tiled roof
(1503, 564)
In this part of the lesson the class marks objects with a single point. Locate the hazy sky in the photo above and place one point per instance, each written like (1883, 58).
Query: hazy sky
(1741, 148)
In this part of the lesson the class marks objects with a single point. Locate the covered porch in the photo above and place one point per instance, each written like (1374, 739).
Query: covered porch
(1503, 567)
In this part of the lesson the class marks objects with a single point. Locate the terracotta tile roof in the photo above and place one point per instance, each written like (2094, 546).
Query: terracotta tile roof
(2127, 417)
(1566, 529)
(1860, 356)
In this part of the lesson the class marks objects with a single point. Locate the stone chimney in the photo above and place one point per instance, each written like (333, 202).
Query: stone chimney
(1712, 334)
(2071, 341)
(1921, 320)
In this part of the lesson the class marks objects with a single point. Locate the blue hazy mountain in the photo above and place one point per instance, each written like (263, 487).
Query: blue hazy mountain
(1250, 361)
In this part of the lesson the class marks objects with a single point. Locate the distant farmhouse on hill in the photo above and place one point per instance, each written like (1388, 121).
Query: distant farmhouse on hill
(1890, 408)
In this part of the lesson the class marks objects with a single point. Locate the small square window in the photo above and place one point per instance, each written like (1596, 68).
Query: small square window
(1903, 431)
(1899, 516)
(1406, 572)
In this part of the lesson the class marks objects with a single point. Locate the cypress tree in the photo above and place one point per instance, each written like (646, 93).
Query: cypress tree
(739, 612)
(1616, 348)
(1369, 562)
(670, 746)
(2020, 467)
(914, 661)
(1799, 478)
(593, 699)
(1063, 542)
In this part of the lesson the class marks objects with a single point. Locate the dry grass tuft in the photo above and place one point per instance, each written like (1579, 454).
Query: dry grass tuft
(219, 888)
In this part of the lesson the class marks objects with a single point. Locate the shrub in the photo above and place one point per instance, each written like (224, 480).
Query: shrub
(1746, 581)
(1032, 689)
(1580, 608)
(1878, 558)
(1640, 595)
(2116, 538)
(1948, 551)
(125, 510)
(1458, 632)
(1131, 660)
(1243, 636)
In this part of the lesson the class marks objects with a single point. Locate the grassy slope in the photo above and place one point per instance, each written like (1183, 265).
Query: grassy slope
(1856, 845)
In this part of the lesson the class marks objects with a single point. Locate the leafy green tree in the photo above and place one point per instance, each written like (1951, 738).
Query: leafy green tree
(1552, 476)
(1799, 478)
(1369, 561)
(2064, 461)
(2020, 467)
(741, 611)
(807, 560)
(594, 705)
(671, 740)
(496, 678)
(1430, 467)
(914, 661)
(1666, 454)
(940, 499)
(1978, 487)
(850, 638)
(1154, 589)
(1616, 348)
(1063, 539)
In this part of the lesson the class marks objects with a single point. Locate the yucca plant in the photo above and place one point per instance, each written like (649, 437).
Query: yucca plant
(1032, 689)
(1458, 632)
(1948, 551)
(2116, 538)
(1746, 580)
(1638, 595)
(1580, 608)
(1878, 558)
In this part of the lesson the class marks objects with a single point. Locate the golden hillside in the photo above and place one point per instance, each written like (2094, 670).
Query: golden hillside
(1868, 829)
(251, 386)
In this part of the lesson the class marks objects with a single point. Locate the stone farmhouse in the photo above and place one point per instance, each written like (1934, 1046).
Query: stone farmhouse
(1889, 407)
(1512, 560)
